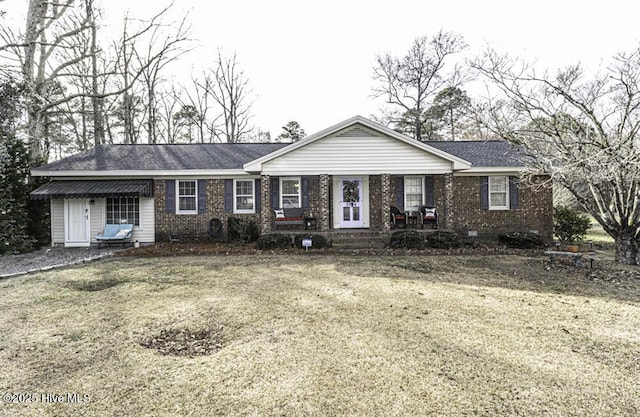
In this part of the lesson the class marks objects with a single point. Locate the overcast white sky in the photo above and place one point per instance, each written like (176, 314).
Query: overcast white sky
(312, 61)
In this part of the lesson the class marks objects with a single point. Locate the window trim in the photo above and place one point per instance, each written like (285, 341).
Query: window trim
(136, 210)
(236, 195)
(505, 179)
(282, 195)
(178, 196)
(422, 188)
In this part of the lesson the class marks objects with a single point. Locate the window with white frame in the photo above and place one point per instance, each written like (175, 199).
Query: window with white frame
(413, 192)
(244, 196)
(187, 196)
(498, 193)
(123, 210)
(290, 192)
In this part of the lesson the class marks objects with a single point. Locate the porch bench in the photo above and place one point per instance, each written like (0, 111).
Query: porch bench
(115, 233)
(289, 216)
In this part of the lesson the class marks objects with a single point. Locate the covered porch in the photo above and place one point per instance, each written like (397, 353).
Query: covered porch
(352, 202)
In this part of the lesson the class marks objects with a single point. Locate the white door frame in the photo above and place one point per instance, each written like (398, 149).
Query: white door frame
(338, 205)
(77, 227)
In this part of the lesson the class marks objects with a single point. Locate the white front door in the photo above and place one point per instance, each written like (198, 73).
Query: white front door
(76, 222)
(351, 202)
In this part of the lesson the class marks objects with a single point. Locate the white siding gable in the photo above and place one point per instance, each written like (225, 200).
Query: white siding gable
(357, 150)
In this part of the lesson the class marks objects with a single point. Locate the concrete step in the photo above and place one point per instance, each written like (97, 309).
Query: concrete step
(357, 240)
(358, 243)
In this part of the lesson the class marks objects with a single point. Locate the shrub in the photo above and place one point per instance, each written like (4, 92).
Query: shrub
(442, 240)
(570, 225)
(407, 239)
(521, 240)
(242, 230)
(318, 241)
(273, 241)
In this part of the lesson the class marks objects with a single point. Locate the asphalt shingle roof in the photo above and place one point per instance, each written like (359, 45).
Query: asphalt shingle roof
(491, 153)
(222, 156)
(163, 157)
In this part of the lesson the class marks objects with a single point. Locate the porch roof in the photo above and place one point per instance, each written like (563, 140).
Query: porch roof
(94, 188)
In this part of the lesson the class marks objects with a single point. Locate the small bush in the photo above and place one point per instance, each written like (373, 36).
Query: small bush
(570, 225)
(273, 241)
(317, 241)
(407, 239)
(442, 240)
(521, 240)
(242, 230)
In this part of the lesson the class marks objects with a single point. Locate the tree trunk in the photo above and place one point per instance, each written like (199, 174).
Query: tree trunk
(626, 247)
(36, 130)
(35, 124)
(96, 101)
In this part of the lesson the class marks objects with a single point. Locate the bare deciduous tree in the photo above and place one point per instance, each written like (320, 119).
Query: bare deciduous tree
(410, 82)
(60, 45)
(152, 63)
(229, 88)
(197, 108)
(582, 130)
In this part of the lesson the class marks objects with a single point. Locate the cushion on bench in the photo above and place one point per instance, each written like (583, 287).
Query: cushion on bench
(288, 216)
(116, 232)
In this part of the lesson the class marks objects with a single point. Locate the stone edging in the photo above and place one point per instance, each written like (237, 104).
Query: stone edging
(56, 266)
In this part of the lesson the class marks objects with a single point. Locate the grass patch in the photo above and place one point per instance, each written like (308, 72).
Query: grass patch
(598, 236)
(325, 335)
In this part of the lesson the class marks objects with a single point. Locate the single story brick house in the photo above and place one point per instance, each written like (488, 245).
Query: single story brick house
(346, 177)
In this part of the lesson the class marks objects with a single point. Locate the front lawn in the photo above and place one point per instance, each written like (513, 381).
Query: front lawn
(322, 335)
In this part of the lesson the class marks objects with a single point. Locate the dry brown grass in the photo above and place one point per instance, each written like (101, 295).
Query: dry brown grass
(326, 335)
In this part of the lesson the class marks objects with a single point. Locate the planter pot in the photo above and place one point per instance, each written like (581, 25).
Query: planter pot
(573, 248)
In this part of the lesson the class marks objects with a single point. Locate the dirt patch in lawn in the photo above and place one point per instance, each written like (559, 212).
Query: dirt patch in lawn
(186, 342)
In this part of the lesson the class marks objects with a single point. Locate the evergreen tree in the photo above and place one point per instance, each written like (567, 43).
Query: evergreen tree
(15, 207)
(291, 132)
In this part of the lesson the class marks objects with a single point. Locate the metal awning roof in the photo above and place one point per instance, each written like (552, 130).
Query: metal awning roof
(94, 188)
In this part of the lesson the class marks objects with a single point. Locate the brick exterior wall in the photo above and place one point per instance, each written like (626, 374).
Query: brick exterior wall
(324, 202)
(459, 208)
(535, 211)
(375, 202)
(265, 215)
(193, 226)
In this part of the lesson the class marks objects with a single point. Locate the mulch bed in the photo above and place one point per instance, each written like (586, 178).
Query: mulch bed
(205, 248)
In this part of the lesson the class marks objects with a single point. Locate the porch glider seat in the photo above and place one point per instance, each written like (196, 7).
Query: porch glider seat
(115, 233)
(289, 216)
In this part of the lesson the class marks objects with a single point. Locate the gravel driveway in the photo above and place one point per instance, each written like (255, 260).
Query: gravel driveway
(49, 258)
